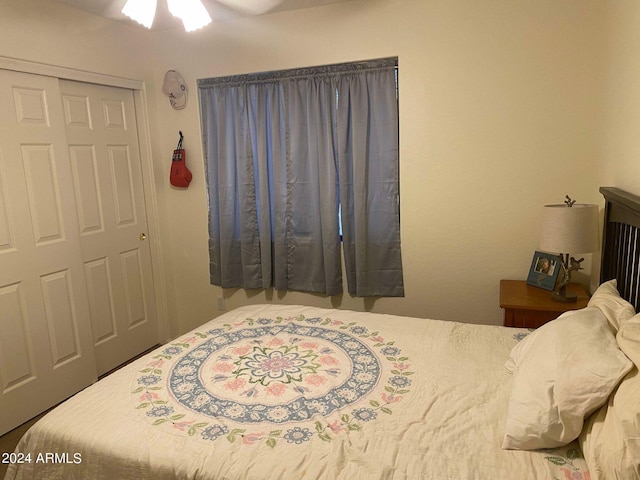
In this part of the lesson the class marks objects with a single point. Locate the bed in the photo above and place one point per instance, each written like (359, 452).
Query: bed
(296, 392)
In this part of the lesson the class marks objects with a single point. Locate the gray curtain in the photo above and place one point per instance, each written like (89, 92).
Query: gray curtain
(369, 187)
(282, 151)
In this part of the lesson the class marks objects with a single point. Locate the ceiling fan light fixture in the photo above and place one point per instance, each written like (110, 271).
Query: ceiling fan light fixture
(192, 13)
(142, 11)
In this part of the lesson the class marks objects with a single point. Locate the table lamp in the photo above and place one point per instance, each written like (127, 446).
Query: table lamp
(569, 228)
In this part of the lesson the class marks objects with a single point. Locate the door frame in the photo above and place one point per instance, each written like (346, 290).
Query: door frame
(150, 193)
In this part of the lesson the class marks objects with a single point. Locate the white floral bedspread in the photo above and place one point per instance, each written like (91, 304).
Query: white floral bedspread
(283, 392)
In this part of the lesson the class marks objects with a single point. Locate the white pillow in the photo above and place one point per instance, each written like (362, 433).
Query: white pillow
(628, 339)
(615, 308)
(563, 372)
(610, 440)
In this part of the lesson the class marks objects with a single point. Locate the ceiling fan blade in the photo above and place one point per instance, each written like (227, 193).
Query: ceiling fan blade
(251, 7)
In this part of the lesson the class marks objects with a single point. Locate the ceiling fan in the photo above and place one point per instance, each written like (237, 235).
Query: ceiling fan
(193, 13)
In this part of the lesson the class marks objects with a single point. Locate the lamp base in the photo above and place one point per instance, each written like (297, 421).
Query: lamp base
(563, 297)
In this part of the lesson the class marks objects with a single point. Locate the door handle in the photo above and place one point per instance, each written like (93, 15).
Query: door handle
(143, 236)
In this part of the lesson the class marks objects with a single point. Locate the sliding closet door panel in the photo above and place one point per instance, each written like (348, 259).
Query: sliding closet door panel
(61, 316)
(122, 185)
(85, 179)
(46, 342)
(103, 318)
(16, 349)
(6, 235)
(40, 171)
(107, 179)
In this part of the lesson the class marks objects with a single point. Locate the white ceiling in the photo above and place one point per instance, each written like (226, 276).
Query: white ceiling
(219, 12)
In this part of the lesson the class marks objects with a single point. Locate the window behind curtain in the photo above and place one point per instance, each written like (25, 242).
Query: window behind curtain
(285, 152)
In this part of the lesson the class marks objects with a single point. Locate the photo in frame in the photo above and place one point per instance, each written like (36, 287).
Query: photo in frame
(544, 271)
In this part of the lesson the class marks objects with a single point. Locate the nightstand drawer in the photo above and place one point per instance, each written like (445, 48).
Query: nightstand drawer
(526, 306)
(515, 317)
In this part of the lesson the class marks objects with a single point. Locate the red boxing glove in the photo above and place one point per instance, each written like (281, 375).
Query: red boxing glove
(180, 175)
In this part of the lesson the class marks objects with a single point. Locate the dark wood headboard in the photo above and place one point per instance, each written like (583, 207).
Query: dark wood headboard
(621, 243)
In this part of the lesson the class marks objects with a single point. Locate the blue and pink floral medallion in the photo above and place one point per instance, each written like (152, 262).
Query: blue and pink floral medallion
(270, 380)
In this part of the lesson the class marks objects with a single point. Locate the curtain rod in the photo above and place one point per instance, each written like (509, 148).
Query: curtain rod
(336, 69)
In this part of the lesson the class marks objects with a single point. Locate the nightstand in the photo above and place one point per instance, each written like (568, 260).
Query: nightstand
(530, 307)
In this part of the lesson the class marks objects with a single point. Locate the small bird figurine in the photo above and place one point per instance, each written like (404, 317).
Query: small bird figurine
(575, 264)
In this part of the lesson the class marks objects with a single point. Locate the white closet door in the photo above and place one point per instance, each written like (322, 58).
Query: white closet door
(46, 345)
(107, 181)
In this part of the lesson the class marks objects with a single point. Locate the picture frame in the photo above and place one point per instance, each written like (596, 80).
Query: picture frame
(544, 271)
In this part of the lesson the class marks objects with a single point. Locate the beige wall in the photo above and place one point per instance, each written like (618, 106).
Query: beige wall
(501, 111)
(619, 164)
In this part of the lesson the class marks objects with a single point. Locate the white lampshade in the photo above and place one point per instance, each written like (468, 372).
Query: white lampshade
(569, 229)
